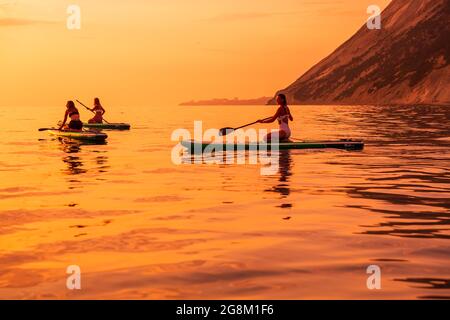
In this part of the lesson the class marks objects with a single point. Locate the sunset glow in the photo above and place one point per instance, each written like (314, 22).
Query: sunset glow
(142, 53)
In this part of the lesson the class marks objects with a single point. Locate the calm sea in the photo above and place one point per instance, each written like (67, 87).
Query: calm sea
(142, 227)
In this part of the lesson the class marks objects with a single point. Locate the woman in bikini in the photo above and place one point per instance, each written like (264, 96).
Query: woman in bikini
(283, 115)
(72, 113)
(99, 112)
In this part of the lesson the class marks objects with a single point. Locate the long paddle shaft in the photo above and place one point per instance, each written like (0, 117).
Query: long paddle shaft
(91, 110)
(225, 131)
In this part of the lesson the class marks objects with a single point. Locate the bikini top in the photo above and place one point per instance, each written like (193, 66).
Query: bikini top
(98, 109)
(284, 118)
(73, 113)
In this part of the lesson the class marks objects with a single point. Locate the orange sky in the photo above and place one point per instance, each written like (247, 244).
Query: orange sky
(147, 52)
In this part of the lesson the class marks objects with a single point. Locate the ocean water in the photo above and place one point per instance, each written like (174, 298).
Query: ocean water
(141, 227)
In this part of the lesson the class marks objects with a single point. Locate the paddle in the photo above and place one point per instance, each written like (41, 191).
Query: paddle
(226, 131)
(91, 110)
(46, 129)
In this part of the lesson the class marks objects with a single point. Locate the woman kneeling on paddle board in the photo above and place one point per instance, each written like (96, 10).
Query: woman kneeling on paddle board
(99, 112)
(74, 115)
(283, 116)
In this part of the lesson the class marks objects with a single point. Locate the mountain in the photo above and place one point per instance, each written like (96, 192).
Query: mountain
(405, 62)
(228, 102)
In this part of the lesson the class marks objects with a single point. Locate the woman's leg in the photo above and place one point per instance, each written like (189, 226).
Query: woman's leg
(279, 135)
(75, 125)
(283, 136)
(96, 119)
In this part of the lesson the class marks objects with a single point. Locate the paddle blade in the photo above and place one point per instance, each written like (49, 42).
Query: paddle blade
(225, 131)
(46, 129)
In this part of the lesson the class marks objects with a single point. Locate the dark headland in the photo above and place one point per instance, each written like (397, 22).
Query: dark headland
(407, 61)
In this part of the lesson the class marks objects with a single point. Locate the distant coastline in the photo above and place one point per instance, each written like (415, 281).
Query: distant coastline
(228, 102)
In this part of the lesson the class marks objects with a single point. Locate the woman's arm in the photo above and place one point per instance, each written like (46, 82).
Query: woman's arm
(290, 115)
(271, 119)
(64, 121)
(103, 111)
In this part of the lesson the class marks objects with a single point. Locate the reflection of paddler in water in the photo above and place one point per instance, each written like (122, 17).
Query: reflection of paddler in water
(69, 146)
(75, 163)
(285, 167)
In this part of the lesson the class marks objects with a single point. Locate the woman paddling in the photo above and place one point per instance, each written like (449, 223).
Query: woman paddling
(72, 113)
(283, 115)
(99, 112)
